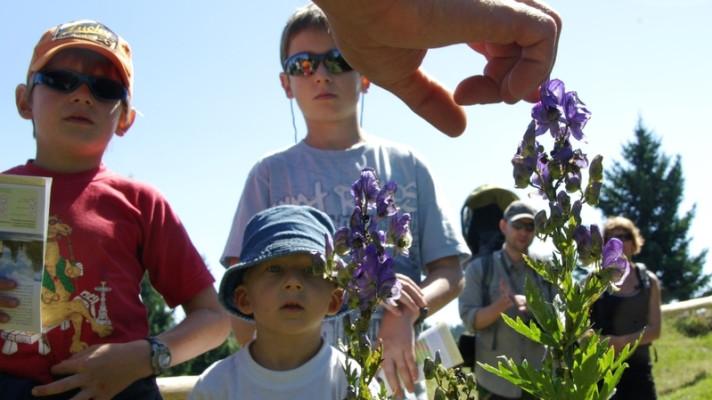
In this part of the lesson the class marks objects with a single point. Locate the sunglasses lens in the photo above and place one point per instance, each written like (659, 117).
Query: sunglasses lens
(300, 64)
(67, 81)
(305, 64)
(63, 81)
(529, 226)
(107, 89)
(336, 63)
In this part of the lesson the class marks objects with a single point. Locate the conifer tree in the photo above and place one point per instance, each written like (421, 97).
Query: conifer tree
(647, 187)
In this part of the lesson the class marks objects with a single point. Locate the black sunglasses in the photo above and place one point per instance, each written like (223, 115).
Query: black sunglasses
(67, 81)
(519, 225)
(306, 64)
(621, 236)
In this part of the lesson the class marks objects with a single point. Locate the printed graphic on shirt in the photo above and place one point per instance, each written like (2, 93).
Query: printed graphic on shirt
(62, 307)
(342, 200)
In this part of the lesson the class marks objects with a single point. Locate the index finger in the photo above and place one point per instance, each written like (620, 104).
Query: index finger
(430, 100)
(58, 386)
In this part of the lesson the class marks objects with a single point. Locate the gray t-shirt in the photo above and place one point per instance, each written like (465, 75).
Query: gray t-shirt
(322, 179)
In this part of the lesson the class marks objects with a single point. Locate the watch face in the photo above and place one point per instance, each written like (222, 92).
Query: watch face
(164, 360)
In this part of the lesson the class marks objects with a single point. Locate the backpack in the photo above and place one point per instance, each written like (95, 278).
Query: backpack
(479, 217)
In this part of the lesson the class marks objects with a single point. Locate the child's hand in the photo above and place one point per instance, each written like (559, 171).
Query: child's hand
(101, 371)
(398, 339)
(5, 300)
(411, 299)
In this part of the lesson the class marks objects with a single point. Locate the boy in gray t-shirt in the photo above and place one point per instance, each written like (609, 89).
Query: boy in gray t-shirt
(319, 172)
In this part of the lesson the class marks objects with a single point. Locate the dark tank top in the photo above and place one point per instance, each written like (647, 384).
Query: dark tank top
(622, 315)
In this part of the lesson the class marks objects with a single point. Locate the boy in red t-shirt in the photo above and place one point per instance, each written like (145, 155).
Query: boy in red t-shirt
(105, 232)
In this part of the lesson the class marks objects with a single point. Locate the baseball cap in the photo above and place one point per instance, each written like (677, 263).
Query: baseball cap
(518, 210)
(85, 34)
(272, 233)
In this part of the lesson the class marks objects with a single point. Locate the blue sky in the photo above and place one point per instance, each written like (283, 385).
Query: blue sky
(208, 91)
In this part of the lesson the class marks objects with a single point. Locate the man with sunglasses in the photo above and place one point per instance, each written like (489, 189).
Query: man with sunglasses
(112, 231)
(494, 285)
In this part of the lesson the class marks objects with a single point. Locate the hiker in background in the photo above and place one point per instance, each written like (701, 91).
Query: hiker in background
(632, 311)
(494, 284)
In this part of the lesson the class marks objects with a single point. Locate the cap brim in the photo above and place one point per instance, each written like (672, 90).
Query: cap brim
(521, 216)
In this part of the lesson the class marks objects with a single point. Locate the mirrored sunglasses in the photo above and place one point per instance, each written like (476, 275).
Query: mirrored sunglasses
(68, 81)
(306, 64)
(519, 225)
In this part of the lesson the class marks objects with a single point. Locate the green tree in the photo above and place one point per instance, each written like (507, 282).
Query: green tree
(161, 318)
(647, 187)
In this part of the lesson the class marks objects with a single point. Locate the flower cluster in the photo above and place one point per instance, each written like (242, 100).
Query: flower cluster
(361, 259)
(579, 363)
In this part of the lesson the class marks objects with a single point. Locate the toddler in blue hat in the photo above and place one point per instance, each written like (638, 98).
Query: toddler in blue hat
(279, 285)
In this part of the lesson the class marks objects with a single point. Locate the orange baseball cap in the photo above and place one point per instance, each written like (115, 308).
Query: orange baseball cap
(85, 34)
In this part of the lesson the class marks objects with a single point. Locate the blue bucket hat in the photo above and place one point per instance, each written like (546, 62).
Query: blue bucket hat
(272, 233)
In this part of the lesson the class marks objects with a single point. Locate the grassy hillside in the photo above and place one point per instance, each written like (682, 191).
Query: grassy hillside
(684, 366)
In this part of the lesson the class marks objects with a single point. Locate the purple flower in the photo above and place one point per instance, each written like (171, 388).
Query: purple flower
(613, 257)
(577, 115)
(342, 240)
(365, 189)
(582, 237)
(374, 278)
(399, 233)
(385, 204)
(548, 114)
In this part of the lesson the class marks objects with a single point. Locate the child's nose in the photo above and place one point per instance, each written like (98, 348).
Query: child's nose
(321, 73)
(82, 94)
(293, 280)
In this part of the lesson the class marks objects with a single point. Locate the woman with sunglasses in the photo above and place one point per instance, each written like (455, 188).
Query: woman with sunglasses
(319, 171)
(630, 313)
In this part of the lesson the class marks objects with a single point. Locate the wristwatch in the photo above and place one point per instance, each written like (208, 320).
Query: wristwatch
(160, 355)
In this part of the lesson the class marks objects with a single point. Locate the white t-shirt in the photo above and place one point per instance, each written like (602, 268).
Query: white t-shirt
(241, 377)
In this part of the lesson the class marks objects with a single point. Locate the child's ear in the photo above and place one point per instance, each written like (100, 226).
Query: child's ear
(22, 101)
(365, 84)
(284, 80)
(242, 300)
(127, 119)
(336, 300)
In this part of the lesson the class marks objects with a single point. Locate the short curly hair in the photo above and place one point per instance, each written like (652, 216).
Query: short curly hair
(623, 223)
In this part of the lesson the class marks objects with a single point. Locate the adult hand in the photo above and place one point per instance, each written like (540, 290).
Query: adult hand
(387, 40)
(5, 300)
(398, 339)
(507, 298)
(100, 371)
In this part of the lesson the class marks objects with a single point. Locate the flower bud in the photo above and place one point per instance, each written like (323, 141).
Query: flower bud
(540, 223)
(593, 190)
(556, 217)
(576, 211)
(573, 181)
(564, 202)
(596, 242)
(595, 170)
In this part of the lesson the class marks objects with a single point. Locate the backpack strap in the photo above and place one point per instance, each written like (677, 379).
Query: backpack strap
(487, 261)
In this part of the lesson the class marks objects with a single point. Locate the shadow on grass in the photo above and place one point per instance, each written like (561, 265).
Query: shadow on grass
(700, 376)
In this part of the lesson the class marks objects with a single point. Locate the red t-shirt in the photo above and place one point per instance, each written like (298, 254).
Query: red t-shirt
(105, 232)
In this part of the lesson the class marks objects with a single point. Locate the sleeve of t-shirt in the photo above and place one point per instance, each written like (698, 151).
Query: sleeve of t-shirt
(438, 238)
(175, 267)
(254, 198)
(470, 300)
